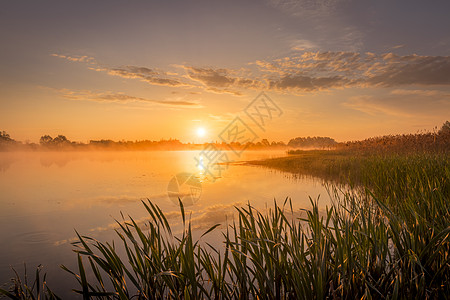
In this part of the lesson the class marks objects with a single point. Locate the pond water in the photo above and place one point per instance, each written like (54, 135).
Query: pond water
(45, 196)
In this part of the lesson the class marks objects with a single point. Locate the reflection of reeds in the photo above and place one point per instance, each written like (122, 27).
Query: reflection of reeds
(391, 240)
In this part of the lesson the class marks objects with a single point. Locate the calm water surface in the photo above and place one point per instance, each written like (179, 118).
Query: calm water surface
(44, 197)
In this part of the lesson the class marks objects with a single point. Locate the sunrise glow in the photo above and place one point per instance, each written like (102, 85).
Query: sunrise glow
(150, 69)
(201, 132)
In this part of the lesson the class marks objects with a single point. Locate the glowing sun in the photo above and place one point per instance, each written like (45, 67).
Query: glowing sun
(201, 132)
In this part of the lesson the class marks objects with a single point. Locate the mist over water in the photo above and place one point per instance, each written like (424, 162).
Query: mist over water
(46, 195)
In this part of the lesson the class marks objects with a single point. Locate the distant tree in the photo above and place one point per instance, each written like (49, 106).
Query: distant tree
(102, 143)
(6, 140)
(265, 143)
(278, 144)
(60, 140)
(46, 140)
(4, 137)
(312, 142)
(445, 128)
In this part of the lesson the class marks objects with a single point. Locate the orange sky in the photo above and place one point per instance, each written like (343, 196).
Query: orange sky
(153, 70)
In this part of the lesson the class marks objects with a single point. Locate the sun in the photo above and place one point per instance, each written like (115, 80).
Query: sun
(201, 132)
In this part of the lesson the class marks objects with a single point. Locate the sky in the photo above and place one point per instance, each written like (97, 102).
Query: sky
(135, 70)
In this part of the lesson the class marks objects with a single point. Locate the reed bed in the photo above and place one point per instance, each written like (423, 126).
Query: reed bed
(388, 240)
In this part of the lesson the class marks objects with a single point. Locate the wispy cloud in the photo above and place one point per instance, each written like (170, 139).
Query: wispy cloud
(322, 23)
(77, 58)
(300, 82)
(316, 71)
(148, 75)
(411, 70)
(402, 103)
(302, 45)
(311, 71)
(88, 95)
(373, 107)
(297, 73)
(222, 118)
(221, 80)
(424, 93)
(305, 7)
(145, 74)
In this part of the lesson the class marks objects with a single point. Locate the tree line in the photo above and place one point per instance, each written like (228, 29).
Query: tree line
(439, 139)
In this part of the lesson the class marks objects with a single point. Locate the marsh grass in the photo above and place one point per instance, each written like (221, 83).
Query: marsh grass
(22, 288)
(351, 250)
(387, 238)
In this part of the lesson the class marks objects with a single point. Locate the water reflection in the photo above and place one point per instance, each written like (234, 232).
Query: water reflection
(6, 160)
(45, 196)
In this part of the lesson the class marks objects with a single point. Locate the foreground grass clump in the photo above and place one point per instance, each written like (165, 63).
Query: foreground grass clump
(350, 250)
(24, 289)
